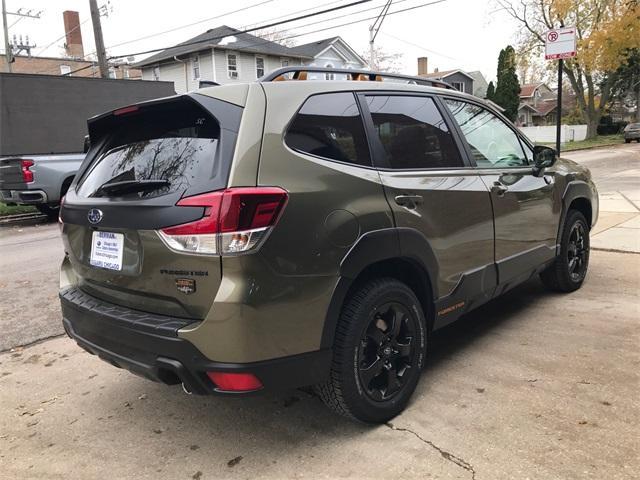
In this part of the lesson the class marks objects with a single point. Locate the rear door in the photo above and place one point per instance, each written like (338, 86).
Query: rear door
(174, 148)
(526, 221)
(431, 189)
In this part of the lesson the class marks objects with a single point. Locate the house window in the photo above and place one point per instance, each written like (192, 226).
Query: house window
(329, 76)
(458, 86)
(112, 72)
(65, 69)
(259, 67)
(195, 67)
(232, 65)
(156, 73)
(284, 62)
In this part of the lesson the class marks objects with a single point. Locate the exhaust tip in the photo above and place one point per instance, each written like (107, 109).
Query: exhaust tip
(186, 390)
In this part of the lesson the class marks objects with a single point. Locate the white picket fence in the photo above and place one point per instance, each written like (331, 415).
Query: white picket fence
(547, 134)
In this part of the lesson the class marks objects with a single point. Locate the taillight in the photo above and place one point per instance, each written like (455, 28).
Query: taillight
(235, 221)
(27, 175)
(235, 382)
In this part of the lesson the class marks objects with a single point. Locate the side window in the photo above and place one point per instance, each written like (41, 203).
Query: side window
(413, 132)
(330, 126)
(492, 143)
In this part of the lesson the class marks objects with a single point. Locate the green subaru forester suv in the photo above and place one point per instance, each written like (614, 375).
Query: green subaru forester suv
(292, 232)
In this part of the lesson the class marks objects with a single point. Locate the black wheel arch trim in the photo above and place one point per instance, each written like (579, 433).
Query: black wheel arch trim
(574, 190)
(373, 247)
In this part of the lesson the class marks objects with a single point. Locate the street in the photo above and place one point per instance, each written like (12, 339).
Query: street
(533, 385)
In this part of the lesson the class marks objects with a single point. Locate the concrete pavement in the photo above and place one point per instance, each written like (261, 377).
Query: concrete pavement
(616, 171)
(534, 385)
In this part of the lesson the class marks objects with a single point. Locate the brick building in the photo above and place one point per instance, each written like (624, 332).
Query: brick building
(73, 63)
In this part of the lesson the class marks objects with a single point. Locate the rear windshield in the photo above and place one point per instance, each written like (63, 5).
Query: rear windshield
(168, 146)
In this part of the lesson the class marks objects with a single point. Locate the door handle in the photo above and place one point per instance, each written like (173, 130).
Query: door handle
(409, 201)
(499, 189)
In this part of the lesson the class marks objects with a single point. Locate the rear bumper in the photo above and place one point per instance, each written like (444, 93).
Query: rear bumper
(25, 197)
(148, 345)
(632, 135)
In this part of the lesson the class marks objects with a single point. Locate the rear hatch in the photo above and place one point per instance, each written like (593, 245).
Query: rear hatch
(142, 161)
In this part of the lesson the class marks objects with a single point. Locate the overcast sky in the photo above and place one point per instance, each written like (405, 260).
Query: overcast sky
(466, 34)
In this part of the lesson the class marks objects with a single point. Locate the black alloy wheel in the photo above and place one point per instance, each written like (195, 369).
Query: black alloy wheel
(577, 252)
(569, 269)
(386, 352)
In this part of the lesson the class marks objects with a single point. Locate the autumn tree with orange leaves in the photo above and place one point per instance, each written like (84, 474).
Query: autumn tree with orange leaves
(608, 31)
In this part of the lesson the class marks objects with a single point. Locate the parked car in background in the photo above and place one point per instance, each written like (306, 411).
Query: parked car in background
(38, 180)
(632, 132)
(287, 233)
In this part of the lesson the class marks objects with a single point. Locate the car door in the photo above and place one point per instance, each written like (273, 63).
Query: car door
(430, 189)
(525, 215)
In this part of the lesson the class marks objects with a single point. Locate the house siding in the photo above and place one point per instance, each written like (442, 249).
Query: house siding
(458, 77)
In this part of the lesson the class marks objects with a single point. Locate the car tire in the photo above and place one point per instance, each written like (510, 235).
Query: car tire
(626, 140)
(379, 351)
(568, 271)
(50, 211)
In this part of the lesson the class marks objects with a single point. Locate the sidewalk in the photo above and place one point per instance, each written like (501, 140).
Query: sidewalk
(618, 227)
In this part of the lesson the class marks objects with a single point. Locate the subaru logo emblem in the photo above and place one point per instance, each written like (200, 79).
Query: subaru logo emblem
(94, 215)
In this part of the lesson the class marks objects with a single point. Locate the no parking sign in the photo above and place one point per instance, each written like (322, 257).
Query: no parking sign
(560, 43)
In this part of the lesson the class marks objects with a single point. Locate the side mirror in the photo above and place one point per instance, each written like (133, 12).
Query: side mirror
(543, 157)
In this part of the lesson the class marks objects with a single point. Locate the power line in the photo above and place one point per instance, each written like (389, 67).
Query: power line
(190, 24)
(63, 36)
(248, 30)
(346, 15)
(348, 23)
(151, 35)
(420, 47)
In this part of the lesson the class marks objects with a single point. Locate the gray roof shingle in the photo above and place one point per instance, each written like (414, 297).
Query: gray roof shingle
(313, 48)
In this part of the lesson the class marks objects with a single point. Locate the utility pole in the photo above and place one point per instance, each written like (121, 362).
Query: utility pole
(374, 29)
(97, 33)
(8, 46)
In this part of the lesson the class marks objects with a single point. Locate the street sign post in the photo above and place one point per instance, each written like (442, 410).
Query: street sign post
(558, 45)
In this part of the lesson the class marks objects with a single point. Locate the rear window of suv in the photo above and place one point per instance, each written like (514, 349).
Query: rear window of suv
(330, 126)
(175, 142)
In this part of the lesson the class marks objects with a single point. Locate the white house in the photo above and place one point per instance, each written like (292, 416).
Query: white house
(331, 52)
(224, 55)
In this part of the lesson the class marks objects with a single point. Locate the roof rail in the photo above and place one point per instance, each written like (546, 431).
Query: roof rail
(299, 72)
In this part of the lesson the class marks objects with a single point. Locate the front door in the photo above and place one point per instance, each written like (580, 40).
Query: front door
(431, 190)
(526, 223)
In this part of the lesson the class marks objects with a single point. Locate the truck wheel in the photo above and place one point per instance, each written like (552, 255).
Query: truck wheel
(379, 350)
(569, 269)
(50, 211)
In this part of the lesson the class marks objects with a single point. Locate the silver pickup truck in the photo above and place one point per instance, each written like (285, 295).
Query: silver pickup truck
(39, 180)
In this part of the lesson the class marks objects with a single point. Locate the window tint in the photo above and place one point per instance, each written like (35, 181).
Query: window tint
(330, 126)
(413, 132)
(177, 143)
(492, 143)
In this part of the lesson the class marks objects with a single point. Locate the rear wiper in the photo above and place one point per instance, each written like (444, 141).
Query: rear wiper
(130, 186)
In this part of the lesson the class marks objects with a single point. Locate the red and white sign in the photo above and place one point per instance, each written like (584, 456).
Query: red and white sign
(560, 43)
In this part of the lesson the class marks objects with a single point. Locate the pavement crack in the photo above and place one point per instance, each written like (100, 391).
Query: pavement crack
(445, 454)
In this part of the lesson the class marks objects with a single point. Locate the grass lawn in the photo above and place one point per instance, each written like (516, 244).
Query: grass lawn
(7, 210)
(599, 141)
